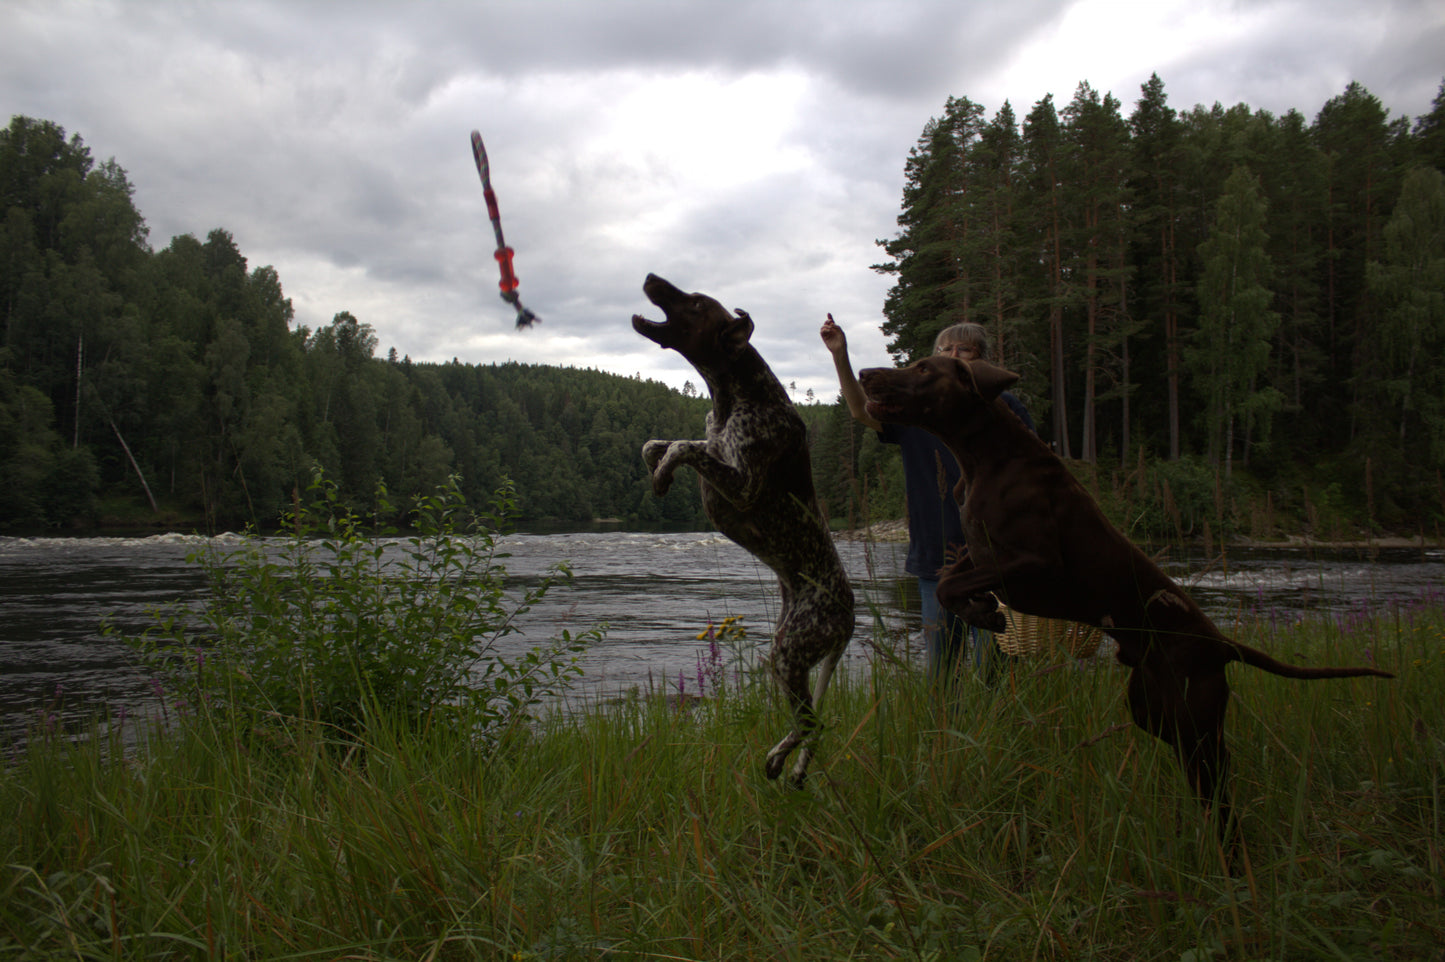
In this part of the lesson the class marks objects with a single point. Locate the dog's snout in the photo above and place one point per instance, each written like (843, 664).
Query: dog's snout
(661, 292)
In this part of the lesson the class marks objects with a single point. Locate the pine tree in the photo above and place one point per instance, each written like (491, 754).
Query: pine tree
(1159, 206)
(1429, 133)
(997, 161)
(1409, 281)
(1362, 150)
(1230, 350)
(1043, 151)
(1099, 202)
(935, 286)
(1295, 186)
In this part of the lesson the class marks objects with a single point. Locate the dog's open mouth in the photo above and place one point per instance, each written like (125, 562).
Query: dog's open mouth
(649, 329)
(665, 296)
(881, 410)
(880, 399)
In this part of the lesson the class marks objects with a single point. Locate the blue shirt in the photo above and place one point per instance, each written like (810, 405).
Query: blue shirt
(929, 473)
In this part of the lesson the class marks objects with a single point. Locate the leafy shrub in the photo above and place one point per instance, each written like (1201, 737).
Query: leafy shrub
(335, 624)
(1191, 494)
(68, 491)
(1165, 501)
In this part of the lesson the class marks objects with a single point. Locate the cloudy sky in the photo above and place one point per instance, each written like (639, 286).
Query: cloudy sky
(751, 149)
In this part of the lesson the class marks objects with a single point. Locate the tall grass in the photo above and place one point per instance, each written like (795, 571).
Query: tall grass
(1019, 823)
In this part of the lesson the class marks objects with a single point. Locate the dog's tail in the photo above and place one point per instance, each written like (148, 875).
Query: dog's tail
(1258, 659)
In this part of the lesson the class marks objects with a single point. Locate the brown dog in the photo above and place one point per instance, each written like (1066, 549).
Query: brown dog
(1037, 538)
(757, 487)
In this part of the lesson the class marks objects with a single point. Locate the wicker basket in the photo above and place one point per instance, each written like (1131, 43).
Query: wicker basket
(1031, 635)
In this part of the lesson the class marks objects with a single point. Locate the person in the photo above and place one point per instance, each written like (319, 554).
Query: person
(930, 471)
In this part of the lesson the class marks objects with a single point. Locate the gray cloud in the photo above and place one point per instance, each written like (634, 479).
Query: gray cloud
(751, 149)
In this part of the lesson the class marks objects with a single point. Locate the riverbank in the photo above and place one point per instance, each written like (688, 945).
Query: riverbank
(891, 531)
(897, 531)
(1033, 822)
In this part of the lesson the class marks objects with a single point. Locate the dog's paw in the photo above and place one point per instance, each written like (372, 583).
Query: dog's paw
(982, 612)
(654, 455)
(653, 451)
(778, 757)
(799, 775)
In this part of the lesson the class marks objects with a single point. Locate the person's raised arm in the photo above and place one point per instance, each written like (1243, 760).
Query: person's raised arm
(837, 344)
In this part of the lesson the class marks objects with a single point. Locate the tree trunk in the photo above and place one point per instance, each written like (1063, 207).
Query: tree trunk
(1228, 442)
(1124, 438)
(79, 357)
(1089, 445)
(131, 458)
(1056, 329)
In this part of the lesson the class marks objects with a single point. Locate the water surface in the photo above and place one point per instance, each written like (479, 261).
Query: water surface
(654, 591)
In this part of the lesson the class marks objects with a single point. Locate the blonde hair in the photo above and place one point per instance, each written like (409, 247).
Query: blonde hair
(967, 333)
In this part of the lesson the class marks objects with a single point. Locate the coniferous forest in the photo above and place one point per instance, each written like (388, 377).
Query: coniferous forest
(1228, 321)
(1218, 311)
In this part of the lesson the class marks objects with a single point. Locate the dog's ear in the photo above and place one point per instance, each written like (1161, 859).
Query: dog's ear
(737, 332)
(989, 379)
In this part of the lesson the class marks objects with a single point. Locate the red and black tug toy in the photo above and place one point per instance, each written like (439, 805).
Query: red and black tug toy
(503, 254)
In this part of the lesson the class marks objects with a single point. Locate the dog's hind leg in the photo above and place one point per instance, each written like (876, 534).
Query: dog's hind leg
(1187, 713)
(825, 675)
(791, 669)
(791, 674)
(809, 724)
(773, 766)
(802, 714)
(1205, 755)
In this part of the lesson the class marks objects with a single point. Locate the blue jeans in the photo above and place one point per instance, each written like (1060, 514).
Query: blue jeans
(947, 637)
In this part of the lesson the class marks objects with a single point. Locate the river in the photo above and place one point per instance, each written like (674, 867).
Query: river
(654, 591)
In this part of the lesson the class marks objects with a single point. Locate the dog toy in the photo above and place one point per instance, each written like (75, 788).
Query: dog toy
(503, 254)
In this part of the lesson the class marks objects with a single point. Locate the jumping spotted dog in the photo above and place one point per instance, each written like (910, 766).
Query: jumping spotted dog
(757, 487)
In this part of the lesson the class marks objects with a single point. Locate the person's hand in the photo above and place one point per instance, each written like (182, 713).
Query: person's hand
(833, 338)
(954, 553)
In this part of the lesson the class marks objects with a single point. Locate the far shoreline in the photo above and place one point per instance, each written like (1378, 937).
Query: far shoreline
(890, 531)
(897, 531)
